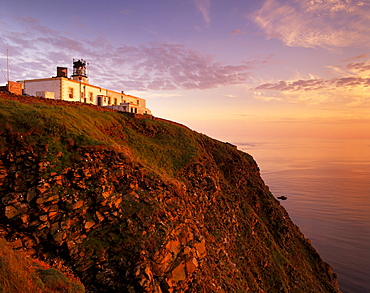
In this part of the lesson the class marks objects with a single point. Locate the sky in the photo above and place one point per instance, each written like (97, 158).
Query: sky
(246, 68)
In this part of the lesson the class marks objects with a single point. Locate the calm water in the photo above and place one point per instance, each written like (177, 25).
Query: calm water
(327, 183)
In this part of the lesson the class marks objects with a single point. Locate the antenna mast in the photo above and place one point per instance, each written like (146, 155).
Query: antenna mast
(7, 64)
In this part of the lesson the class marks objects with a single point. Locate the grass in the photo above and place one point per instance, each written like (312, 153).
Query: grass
(166, 150)
(55, 281)
(57, 131)
(18, 274)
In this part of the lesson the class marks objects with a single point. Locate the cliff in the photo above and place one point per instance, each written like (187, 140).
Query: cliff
(144, 205)
(21, 274)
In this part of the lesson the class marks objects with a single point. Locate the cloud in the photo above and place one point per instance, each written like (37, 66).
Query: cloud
(162, 66)
(316, 23)
(297, 85)
(359, 66)
(261, 96)
(37, 50)
(316, 84)
(356, 57)
(352, 90)
(237, 32)
(204, 7)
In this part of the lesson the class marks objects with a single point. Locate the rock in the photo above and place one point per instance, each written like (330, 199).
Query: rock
(191, 214)
(43, 187)
(99, 216)
(185, 236)
(3, 173)
(59, 237)
(47, 198)
(65, 224)
(31, 194)
(187, 250)
(12, 198)
(25, 218)
(200, 248)
(11, 212)
(282, 197)
(58, 180)
(17, 243)
(77, 205)
(43, 218)
(162, 261)
(173, 247)
(178, 273)
(89, 224)
(191, 266)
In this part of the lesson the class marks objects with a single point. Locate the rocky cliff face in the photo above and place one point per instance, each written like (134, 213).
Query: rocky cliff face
(139, 205)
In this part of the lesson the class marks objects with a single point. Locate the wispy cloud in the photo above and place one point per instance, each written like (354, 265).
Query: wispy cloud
(37, 50)
(356, 58)
(352, 90)
(172, 66)
(316, 84)
(204, 8)
(316, 23)
(359, 66)
(237, 32)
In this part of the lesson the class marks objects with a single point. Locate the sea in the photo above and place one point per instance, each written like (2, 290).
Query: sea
(327, 185)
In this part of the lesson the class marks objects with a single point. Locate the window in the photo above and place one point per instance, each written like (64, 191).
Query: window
(70, 92)
(91, 97)
(115, 101)
(137, 101)
(109, 100)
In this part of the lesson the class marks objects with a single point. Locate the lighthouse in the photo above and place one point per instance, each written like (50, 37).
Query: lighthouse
(79, 70)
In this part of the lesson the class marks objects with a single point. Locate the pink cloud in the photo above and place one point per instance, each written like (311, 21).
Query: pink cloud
(153, 66)
(356, 57)
(315, 84)
(237, 32)
(326, 24)
(204, 7)
(175, 66)
(359, 66)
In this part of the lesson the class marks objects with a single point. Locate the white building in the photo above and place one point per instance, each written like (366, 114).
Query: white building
(78, 89)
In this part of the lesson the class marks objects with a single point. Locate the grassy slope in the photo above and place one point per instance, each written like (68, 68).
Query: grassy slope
(163, 148)
(18, 273)
(59, 127)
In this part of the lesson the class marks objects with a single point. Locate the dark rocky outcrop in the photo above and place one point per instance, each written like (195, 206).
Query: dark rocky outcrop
(140, 205)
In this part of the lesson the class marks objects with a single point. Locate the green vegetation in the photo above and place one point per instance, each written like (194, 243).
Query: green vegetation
(166, 148)
(55, 281)
(56, 131)
(127, 202)
(18, 274)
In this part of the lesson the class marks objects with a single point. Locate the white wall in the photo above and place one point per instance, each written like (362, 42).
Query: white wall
(61, 86)
(77, 88)
(48, 85)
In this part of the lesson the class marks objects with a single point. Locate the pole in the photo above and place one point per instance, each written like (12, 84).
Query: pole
(7, 64)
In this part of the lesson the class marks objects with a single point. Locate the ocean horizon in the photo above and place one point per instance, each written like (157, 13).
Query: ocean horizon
(327, 185)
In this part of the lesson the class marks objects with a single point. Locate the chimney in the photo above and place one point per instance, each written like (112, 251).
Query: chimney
(62, 72)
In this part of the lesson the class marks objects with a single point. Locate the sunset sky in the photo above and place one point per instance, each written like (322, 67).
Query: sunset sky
(281, 68)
